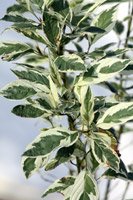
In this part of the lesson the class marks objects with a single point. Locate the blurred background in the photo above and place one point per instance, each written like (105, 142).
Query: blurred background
(16, 133)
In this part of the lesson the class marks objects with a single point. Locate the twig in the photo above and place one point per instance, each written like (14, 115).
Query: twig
(107, 190)
(45, 179)
(73, 163)
(129, 88)
(50, 120)
(125, 191)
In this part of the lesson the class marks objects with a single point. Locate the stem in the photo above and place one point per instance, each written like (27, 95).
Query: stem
(129, 27)
(71, 123)
(72, 127)
(107, 190)
(45, 179)
(51, 122)
(121, 129)
(125, 191)
(70, 119)
(78, 164)
(129, 88)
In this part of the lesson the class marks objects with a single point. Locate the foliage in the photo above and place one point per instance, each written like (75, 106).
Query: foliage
(56, 79)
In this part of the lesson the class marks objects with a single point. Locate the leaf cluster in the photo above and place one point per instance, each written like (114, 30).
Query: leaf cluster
(55, 81)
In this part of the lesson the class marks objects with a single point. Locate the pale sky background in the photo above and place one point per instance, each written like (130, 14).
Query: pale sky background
(16, 133)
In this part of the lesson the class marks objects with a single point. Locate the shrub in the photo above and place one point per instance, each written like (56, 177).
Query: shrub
(56, 73)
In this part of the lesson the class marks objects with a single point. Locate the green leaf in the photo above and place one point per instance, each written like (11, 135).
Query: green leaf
(25, 3)
(93, 29)
(78, 47)
(51, 27)
(50, 140)
(116, 115)
(97, 54)
(27, 111)
(17, 90)
(119, 27)
(32, 34)
(111, 66)
(44, 102)
(26, 26)
(103, 153)
(70, 63)
(106, 21)
(92, 163)
(91, 9)
(60, 185)
(54, 93)
(38, 3)
(116, 1)
(84, 188)
(32, 165)
(16, 8)
(102, 70)
(6, 48)
(15, 18)
(61, 6)
(62, 156)
(106, 46)
(121, 173)
(32, 76)
(129, 67)
(12, 51)
(116, 52)
(54, 72)
(87, 104)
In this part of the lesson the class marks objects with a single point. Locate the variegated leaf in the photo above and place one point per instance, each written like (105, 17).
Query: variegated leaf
(106, 21)
(45, 102)
(25, 3)
(116, 115)
(122, 173)
(32, 165)
(38, 3)
(87, 104)
(63, 155)
(51, 27)
(103, 152)
(18, 90)
(92, 163)
(60, 185)
(15, 18)
(91, 9)
(84, 188)
(28, 111)
(102, 70)
(61, 7)
(12, 51)
(32, 34)
(70, 63)
(32, 76)
(54, 93)
(54, 72)
(51, 140)
(16, 8)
